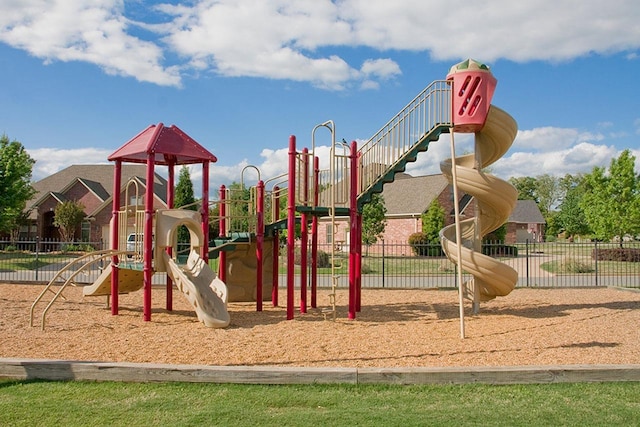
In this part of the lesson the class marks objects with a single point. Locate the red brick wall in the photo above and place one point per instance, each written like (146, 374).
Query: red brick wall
(398, 230)
(79, 193)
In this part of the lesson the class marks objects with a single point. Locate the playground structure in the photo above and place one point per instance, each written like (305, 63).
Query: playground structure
(248, 245)
(462, 103)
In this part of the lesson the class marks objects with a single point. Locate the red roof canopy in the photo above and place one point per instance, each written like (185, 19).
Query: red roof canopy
(166, 144)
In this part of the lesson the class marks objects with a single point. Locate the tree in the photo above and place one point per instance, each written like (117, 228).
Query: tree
(526, 187)
(68, 216)
(19, 220)
(611, 202)
(183, 196)
(238, 207)
(15, 182)
(433, 222)
(548, 193)
(545, 190)
(570, 218)
(373, 220)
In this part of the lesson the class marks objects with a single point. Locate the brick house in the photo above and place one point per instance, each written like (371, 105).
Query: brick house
(525, 223)
(408, 197)
(92, 186)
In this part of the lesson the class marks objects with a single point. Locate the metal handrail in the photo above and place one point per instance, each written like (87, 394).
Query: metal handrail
(86, 260)
(390, 145)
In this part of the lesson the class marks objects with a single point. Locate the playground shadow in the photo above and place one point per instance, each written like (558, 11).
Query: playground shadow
(543, 311)
(408, 312)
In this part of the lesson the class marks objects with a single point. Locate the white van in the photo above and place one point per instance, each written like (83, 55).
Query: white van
(134, 242)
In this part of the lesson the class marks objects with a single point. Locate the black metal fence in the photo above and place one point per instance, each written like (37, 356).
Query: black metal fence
(39, 260)
(554, 264)
(389, 265)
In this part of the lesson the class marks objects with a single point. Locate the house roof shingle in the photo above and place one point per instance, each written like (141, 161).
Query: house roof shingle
(97, 178)
(412, 195)
(526, 212)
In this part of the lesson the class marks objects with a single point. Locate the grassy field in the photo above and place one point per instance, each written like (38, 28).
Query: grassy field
(24, 403)
(14, 261)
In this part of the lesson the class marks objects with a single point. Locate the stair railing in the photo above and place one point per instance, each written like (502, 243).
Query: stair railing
(389, 146)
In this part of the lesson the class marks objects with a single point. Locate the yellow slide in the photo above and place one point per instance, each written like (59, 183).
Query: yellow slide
(202, 288)
(495, 200)
(128, 281)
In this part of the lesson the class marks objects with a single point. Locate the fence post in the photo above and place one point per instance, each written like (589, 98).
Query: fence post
(37, 253)
(383, 263)
(595, 255)
(526, 252)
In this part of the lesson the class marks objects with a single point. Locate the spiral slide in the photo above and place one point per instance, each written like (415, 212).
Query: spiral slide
(495, 200)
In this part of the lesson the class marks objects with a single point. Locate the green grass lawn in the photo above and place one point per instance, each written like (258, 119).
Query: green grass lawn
(13, 261)
(410, 265)
(41, 403)
(574, 265)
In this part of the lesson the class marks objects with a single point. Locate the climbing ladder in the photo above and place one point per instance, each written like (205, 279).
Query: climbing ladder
(67, 276)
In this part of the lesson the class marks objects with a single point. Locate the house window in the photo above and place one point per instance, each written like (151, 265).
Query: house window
(85, 231)
(329, 233)
(136, 201)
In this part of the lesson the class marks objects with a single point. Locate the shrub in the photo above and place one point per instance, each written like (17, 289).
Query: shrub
(324, 259)
(572, 265)
(617, 254)
(77, 247)
(446, 266)
(422, 247)
(366, 269)
(499, 250)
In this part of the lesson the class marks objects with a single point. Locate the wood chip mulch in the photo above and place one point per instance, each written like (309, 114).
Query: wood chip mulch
(396, 328)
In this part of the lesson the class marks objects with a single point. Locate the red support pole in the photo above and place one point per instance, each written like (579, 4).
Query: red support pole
(117, 182)
(359, 262)
(222, 260)
(276, 248)
(291, 226)
(170, 205)
(359, 242)
(205, 212)
(148, 236)
(314, 236)
(353, 229)
(259, 244)
(304, 232)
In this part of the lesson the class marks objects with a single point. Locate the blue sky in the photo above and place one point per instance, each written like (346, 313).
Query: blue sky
(81, 77)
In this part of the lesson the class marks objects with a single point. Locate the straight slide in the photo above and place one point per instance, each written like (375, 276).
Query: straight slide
(202, 288)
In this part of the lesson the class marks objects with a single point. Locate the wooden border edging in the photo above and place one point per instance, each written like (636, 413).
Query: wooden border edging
(67, 370)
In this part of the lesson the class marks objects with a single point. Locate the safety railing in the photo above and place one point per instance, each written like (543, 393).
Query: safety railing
(428, 111)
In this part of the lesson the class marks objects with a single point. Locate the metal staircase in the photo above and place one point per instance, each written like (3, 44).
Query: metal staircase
(400, 140)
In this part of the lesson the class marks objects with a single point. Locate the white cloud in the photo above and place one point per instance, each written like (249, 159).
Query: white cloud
(90, 31)
(383, 68)
(580, 158)
(555, 151)
(548, 138)
(52, 160)
(280, 39)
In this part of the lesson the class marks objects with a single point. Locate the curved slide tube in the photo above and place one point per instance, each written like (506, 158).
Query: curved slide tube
(495, 200)
(202, 288)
